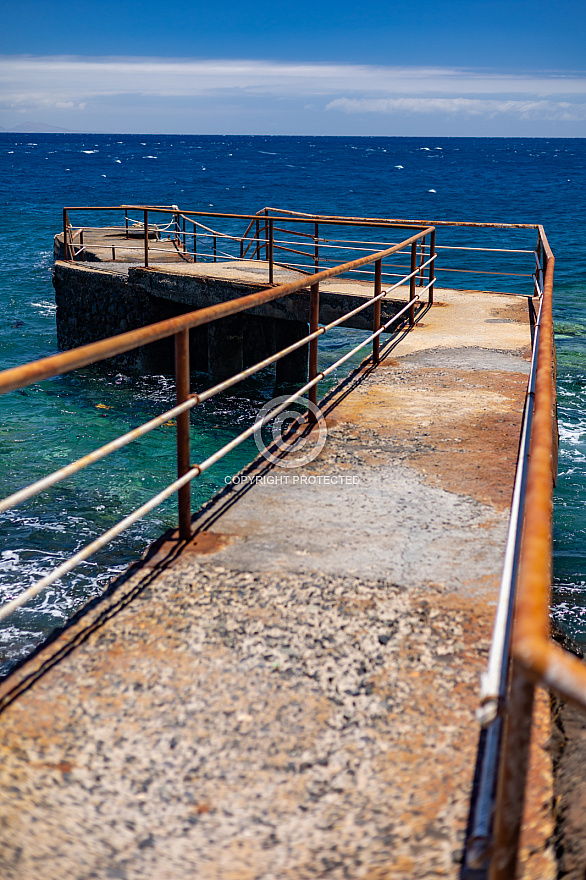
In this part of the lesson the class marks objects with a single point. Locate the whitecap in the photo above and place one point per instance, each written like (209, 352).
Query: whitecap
(119, 161)
(432, 190)
(572, 434)
(399, 166)
(89, 152)
(425, 148)
(266, 153)
(150, 157)
(46, 308)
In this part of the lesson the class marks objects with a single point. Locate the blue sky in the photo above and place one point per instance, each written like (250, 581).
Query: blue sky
(426, 68)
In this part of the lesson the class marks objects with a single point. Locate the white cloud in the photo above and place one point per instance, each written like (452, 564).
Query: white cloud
(250, 96)
(42, 81)
(527, 109)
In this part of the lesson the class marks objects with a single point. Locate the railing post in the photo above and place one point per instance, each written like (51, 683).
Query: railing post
(184, 239)
(146, 239)
(313, 325)
(412, 283)
(316, 250)
(421, 262)
(378, 268)
(512, 776)
(271, 268)
(195, 242)
(126, 220)
(431, 267)
(257, 249)
(183, 456)
(215, 251)
(65, 232)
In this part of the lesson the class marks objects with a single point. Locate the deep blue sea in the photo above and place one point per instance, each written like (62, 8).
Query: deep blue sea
(45, 426)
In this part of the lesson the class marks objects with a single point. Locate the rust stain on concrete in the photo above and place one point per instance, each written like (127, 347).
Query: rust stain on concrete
(205, 543)
(461, 427)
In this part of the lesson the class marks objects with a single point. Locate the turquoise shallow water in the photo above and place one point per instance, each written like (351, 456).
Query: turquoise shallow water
(45, 426)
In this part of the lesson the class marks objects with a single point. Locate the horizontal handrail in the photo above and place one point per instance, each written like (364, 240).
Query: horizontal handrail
(405, 224)
(194, 399)
(36, 371)
(31, 592)
(543, 659)
(20, 377)
(495, 680)
(523, 653)
(252, 246)
(332, 221)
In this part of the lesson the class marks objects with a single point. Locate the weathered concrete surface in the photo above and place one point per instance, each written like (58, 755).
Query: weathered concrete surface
(293, 695)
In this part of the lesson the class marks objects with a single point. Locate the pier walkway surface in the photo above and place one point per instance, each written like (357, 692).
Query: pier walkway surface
(292, 694)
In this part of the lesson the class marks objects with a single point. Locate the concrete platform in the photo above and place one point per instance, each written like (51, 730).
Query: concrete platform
(197, 285)
(109, 243)
(99, 299)
(292, 695)
(201, 284)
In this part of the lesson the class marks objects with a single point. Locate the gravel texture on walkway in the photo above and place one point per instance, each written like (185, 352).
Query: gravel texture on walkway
(236, 725)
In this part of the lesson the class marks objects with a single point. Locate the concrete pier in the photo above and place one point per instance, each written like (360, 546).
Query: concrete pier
(98, 297)
(292, 694)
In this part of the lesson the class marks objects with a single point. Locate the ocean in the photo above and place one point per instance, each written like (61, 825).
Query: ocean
(45, 426)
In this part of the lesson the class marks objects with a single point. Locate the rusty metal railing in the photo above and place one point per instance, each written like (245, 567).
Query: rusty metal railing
(285, 239)
(201, 242)
(523, 654)
(280, 214)
(20, 377)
